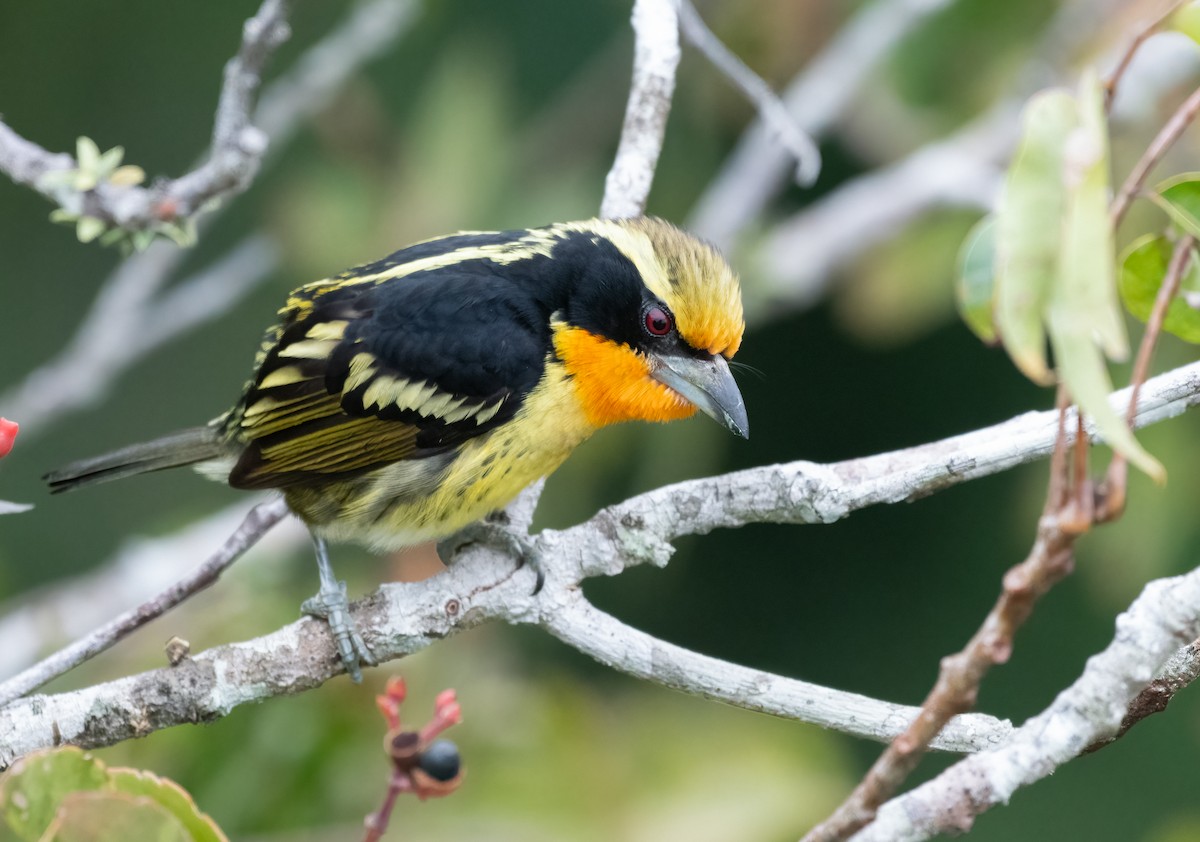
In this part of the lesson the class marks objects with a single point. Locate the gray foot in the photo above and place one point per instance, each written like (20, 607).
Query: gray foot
(331, 604)
(334, 608)
(496, 534)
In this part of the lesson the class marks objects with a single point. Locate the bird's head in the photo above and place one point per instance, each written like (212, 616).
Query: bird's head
(652, 321)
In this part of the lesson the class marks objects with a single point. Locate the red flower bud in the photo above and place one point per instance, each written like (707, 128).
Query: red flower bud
(8, 433)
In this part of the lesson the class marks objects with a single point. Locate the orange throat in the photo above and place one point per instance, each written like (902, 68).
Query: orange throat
(613, 382)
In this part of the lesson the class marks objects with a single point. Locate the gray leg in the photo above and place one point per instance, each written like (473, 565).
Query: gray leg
(330, 603)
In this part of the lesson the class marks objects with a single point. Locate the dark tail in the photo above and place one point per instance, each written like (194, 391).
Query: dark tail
(186, 447)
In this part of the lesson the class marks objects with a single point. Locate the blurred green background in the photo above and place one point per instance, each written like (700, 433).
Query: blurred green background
(488, 115)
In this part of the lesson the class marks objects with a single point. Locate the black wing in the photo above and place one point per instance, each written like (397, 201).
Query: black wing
(364, 372)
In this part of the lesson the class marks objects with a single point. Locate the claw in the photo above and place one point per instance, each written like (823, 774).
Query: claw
(495, 535)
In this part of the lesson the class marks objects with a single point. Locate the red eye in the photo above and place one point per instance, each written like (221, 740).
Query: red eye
(658, 321)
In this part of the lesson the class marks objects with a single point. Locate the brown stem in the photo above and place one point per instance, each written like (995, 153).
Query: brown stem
(1176, 269)
(1111, 502)
(1050, 560)
(1163, 141)
(1114, 78)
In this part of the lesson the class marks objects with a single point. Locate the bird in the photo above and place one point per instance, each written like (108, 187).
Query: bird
(403, 400)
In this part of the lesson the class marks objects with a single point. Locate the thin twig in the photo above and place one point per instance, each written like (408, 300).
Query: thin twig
(655, 57)
(589, 630)
(818, 96)
(770, 107)
(103, 345)
(1111, 500)
(261, 518)
(1114, 78)
(126, 323)
(52, 616)
(1176, 270)
(237, 147)
(1158, 147)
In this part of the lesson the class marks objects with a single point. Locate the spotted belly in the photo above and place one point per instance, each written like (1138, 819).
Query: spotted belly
(417, 500)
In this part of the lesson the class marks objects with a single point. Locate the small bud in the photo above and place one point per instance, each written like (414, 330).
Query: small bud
(8, 434)
(177, 650)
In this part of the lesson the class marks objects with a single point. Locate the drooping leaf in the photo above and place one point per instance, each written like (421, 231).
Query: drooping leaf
(1180, 198)
(1081, 364)
(1143, 269)
(977, 279)
(106, 816)
(1086, 287)
(1084, 316)
(1028, 230)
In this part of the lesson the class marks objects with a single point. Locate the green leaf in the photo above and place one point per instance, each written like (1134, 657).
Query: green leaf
(113, 817)
(1086, 291)
(183, 232)
(1180, 198)
(1028, 226)
(1143, 268)
(31, 791)
(1084, 317)
(112, 236)
(142, 239)
(109, 161)
(1081, 365)
(171, 797)
(977, 279)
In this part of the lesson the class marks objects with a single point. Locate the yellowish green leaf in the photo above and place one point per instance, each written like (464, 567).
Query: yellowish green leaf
(89, 228)
(977, 279)
(87, 154)
(127, 176)
(1186, 19)
(1143, 268)
(1028, 226)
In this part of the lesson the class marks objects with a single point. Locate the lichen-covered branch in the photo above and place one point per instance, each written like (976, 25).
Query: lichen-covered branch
(485, 584)
(129, 317)
(1166, 615)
